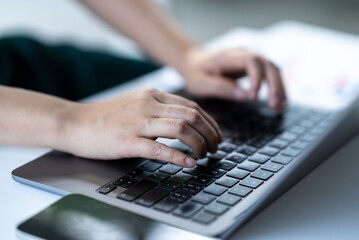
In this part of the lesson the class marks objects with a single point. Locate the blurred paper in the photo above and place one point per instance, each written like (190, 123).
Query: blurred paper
(319, 66)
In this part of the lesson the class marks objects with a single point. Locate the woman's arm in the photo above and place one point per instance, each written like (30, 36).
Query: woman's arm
(146, 24)
(126, 126)
(206, 74)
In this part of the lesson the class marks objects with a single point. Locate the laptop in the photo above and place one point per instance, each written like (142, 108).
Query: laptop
(263, 154)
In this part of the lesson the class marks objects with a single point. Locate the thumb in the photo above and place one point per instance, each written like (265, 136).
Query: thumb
(222, 87)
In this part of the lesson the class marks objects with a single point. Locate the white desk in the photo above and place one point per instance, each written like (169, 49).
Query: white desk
(324, 205)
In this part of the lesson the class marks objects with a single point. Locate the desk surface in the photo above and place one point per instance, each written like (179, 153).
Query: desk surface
(324, 205)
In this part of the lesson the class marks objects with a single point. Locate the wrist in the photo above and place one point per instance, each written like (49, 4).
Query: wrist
(187, 59)
(64, 119)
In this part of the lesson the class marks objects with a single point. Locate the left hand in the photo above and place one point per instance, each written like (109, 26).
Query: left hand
(214, 75)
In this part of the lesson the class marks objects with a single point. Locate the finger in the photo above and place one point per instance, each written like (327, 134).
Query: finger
(173, 99)
(195, 119)
(147, 148)
(176, 129)
(254, 69)
(276, 89)
(222, 87)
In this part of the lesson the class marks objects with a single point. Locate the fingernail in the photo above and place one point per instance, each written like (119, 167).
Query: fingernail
(190, 162)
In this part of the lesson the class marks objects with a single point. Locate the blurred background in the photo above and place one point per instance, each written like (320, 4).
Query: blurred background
(69, 21)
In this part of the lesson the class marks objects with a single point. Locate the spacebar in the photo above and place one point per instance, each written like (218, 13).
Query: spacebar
(137, 190)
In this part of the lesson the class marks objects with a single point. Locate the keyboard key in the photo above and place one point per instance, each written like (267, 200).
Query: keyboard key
(301, 144)
(128, 183)
(121, 180)
(137, 190)
(240, 190)
(214, 172)
(228, 199)
(292, 152)
(297, 129)
(194, 171)
(134, 173)
(227, 181)
(307, 123)
(287, 136)
(270, 151)
(225, 164)
(282, 159)
(251, 182)
(180, 146)
(227, 147)
(272, 167)
(247, 165)
(187, 210)
(216, 208)
(236, 157)
(203, 180)
(257, 142)
(159, 176)
(258, 158)
(152, 197)
(179, 197)
(237, 173)
(151, 166)
(191, 188)
(310, 137)
(218, 155)
(215, 189)
(234, 140)
(319, 130)
(204, 217)
(203, 198)
(170, 185)
(165, 206)
(182, 177)
(278, 143)
(247, 150)
(206, 162)
(170, 169)
(262, 174)
(108, 188)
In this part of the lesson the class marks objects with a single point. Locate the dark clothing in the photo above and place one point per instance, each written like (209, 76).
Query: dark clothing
(63, 70)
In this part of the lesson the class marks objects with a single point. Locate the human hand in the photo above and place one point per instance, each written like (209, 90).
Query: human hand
(213, 75)
(127, 126)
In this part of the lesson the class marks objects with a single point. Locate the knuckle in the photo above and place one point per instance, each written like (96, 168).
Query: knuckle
(202, 145)
(180, 126)
(141, 103)
(173, 155)
(193, 115)
(150, 91)
(192, 104)
(147, 123)
(157, 150)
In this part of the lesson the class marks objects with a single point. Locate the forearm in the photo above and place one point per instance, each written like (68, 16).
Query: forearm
(31, 119)
(145, 23)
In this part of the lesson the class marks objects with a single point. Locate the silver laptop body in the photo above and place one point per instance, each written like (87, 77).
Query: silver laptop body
(63, 173)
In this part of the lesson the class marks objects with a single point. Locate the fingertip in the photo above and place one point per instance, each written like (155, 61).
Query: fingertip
(190, 162)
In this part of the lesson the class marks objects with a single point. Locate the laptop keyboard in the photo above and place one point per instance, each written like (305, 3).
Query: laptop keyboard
(257, 146)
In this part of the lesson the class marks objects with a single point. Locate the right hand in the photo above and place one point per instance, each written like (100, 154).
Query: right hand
(127, 126)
